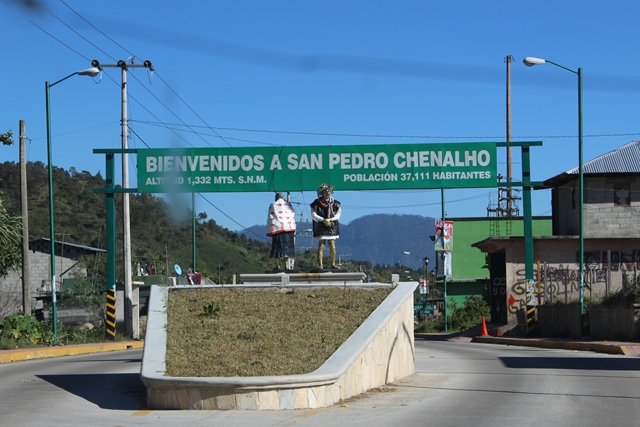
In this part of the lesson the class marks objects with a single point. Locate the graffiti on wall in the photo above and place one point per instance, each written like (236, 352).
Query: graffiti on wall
(562, 282)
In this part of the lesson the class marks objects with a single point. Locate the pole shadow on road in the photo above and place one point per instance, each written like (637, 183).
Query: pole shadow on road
(108, 391)
(576, 363)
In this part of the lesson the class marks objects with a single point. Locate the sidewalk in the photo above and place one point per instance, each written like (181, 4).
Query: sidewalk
(21, 354)
(608, 347)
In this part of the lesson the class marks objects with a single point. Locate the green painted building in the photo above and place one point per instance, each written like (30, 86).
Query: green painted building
(470, 273)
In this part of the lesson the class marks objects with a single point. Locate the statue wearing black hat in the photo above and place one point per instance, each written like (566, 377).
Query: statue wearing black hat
(326, 212)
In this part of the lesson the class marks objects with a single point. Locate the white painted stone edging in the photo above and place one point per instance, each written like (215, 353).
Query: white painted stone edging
(380, 351)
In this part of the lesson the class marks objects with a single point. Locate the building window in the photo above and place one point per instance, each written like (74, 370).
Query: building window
(622, 194)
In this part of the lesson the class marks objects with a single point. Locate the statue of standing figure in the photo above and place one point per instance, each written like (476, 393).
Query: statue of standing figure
(281, 226)
(326, 213)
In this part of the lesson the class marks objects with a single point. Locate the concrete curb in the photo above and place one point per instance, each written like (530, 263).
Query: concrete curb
(598, 347)
(19, 355)
(381, 350)
(607, 347)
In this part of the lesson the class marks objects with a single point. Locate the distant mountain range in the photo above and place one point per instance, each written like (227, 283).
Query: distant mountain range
(378, 239)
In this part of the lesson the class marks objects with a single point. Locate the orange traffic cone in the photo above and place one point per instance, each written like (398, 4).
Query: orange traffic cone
(484, 328)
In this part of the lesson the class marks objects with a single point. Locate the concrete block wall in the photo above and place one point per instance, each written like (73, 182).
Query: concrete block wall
(611, 323)
(604, 323)
(602, 218)
(11, 285)
(40, 273)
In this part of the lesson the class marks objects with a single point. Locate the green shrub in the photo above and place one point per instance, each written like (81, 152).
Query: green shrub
(468, 316)
(211, 309)
(23, 330)
(627, 296)
(20, 331)
(430, 327)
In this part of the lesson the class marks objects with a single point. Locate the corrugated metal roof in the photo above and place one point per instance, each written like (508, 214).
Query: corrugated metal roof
(58, 242)
(622, 160)
(625, 159)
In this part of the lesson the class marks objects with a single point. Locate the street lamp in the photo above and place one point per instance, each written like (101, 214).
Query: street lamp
(425, 264)
(530, 62)
(92, 72)
(426, 261)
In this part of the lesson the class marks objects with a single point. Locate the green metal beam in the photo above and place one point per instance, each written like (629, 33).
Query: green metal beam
(115, 190)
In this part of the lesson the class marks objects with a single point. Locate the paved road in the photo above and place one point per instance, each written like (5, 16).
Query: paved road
(456, 384)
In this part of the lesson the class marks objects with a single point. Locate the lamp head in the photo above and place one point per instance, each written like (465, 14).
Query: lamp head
(406, 252)
(530, 61)
(91, 72)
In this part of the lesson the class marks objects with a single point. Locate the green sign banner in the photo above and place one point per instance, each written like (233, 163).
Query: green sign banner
(353, 167)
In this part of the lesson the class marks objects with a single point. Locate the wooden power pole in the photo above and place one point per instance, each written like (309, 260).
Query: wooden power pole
(508, 60)
(26, 276)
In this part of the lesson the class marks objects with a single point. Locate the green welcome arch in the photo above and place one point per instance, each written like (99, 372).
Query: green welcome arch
(301, 168)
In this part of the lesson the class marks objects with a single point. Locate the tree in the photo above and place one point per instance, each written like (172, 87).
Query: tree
(7, 138)
(10, 235)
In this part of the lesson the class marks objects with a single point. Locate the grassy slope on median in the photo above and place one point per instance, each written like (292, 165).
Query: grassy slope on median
(262, 332)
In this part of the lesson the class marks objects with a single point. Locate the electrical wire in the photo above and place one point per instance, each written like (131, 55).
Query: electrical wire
(394, 136)
(168, 109)
(74, 31)
(98, 30)
(192, 110)
(283, 132)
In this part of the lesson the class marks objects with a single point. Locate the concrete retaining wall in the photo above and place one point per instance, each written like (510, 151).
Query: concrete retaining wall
(380, 351)
(601, 323)
(559, 321)
(607, 323)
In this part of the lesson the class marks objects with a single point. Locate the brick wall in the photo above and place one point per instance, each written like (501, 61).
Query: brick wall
(40, 274)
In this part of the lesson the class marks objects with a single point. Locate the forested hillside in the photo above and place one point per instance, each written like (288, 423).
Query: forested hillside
(159, 232)
(162, 233)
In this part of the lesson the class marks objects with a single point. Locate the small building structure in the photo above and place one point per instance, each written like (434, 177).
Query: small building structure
(611, 215)
(470, 267)
(67, 256)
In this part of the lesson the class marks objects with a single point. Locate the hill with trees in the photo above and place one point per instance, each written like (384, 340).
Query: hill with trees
(162, 233)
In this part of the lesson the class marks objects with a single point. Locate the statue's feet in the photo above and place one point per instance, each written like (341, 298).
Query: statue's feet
(335, 267)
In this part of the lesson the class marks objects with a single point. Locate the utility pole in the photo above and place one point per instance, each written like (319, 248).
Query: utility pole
(443, 254)
(193, 231)
(128, 290)
(26, 276)
(508, 60)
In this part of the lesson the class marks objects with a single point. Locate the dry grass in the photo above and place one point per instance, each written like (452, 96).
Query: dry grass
(262, 332)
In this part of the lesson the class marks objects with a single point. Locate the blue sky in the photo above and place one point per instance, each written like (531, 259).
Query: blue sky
(255, 73)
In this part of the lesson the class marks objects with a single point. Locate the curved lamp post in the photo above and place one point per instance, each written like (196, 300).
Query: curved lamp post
(92, 72)
(530, 62)
(425, 262)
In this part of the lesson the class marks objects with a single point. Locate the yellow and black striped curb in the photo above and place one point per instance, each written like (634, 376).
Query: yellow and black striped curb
(18, 355)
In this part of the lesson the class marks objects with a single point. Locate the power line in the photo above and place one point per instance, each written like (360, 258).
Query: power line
(361, 135)
(192, 110)
(77, 33)
(98, 30)
(168, 109)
